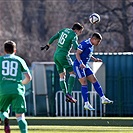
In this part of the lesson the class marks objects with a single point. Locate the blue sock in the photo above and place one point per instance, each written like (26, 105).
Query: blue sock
(98, 88)
(84, 90)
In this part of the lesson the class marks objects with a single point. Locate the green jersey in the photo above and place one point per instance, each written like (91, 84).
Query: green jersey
(67, 39)
(11, 68)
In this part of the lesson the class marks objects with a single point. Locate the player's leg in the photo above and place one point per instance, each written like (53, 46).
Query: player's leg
(84, 87)
(84, 92)
(62, 74)
(63, 63)
(68, 65)
(22, 123)
(96, 84)
(6, 126)
(4, 112)
(71, 81)
(63, 82)
(19, 107)
(4, 117)
(63, 86)
(91, 77)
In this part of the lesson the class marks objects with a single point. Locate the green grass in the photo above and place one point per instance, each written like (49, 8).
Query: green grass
(75, 125)
(73, 129)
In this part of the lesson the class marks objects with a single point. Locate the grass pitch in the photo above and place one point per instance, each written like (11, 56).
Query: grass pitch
(74, 125)
(72, 129)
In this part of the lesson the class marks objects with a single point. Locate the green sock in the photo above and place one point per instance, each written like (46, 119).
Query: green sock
(71, 82)
(3, 115)
(23, 126)
(63, 86)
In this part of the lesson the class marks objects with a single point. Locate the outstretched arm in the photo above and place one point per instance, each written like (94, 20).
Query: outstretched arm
(96, 59)
(51, 40)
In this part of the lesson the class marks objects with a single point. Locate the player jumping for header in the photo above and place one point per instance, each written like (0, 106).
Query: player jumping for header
(67, 38)
(84, 72)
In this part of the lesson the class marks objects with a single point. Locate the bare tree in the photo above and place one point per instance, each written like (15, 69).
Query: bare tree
(120, 20)
(31, 23)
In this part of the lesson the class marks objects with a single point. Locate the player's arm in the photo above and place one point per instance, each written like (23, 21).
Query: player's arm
(27, 78)
(79, 58)
(95, 59)
(75, 45)
(25, 70)
(75, 42)
(51, 40)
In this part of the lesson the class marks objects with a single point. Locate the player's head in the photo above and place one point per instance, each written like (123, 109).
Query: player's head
(78, 28)
(96, 38)
(10, 47)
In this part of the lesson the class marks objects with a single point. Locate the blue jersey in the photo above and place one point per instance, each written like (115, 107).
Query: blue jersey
(87, 49)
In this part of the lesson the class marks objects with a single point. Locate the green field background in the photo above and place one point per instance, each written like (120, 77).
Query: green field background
(75, 125)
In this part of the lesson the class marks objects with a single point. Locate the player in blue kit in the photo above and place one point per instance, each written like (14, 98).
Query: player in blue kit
(84, 72)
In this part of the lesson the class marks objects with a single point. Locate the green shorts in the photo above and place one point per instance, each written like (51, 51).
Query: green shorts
(17, 102)
(63, 62)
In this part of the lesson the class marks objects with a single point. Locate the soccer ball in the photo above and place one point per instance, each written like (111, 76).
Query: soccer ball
(94, 18)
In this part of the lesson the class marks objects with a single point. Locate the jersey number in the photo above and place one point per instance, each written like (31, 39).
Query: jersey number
(62, 38)
(9, 68)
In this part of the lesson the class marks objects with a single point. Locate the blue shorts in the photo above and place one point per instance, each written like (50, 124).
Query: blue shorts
(82, 72)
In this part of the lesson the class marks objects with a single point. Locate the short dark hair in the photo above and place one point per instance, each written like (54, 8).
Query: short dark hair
(9, 46)
(97, 35)
(77, 26)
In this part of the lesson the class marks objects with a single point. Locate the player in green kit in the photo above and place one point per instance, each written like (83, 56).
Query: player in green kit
(12, 87)
(67, 38)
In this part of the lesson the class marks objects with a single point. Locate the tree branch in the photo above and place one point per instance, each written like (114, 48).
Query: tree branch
(111, 10)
